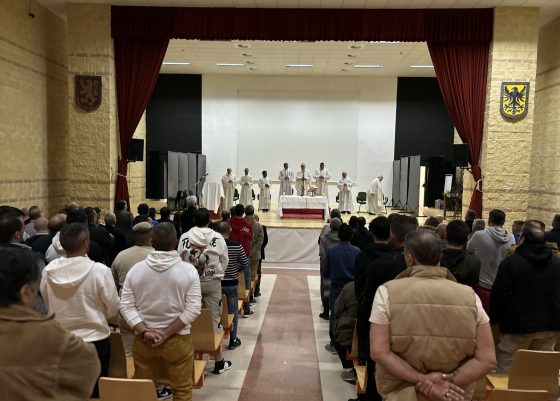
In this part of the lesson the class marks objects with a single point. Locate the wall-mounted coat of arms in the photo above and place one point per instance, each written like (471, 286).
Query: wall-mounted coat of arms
(88, 91)
(514, 101)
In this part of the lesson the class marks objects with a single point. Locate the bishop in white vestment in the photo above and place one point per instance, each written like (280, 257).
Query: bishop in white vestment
(228, 182)
(303, 181)
(264, 195)
(375, 196)
(286, 177)
(321, 176)
(246, 181)
(345, 194)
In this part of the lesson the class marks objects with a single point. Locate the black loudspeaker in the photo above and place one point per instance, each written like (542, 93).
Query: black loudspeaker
(461, 155)
(135, 150)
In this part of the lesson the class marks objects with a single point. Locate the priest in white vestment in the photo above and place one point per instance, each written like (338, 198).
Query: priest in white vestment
(375, 197)
(228, 182)
(321, 176)
(344, 185)
(303, 181)
(246, 182)
(264, 195)
(286, 177)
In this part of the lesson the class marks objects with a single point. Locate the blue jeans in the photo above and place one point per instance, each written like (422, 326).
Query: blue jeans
(230, 292)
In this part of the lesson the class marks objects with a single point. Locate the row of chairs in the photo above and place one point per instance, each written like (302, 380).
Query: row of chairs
(533, 377)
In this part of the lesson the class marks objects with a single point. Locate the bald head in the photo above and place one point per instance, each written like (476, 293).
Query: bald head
(142, 233)
(110, 219)
(422, 247)
(56, 223)
(164, 237)
(42, 225)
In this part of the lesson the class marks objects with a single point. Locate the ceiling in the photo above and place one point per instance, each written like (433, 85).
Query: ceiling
(326, 58)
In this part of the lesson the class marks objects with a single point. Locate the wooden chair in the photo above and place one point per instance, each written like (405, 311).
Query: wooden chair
(242, 292)
(117, 362)
(205, 339)
(361, 199)
(198, 373)
(113, 389)
(531, 370)
(235, 195)
(227, 318)
(519, 395)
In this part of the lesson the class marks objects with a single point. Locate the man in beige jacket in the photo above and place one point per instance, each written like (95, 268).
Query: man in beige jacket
(450, 346)
(40, 359)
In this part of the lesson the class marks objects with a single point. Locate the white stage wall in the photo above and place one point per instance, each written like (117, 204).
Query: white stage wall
(240, 113)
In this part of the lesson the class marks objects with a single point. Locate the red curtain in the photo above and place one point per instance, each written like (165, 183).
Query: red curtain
(412, 25)
(462, 70)
(137, 65)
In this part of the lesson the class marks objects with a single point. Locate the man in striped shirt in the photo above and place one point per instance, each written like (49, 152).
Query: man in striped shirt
(237, 261)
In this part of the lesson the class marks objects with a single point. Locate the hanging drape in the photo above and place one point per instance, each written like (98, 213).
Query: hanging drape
(137, 65)
(462, 70)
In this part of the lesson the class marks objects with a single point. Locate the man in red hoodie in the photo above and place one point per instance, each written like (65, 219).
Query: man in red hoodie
(242, 231)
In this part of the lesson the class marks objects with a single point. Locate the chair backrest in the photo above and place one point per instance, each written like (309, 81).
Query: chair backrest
(117, 361)
(362, 196)
(224, 316)
(236, 193)
(241, 290)
(202, 331)
(113, 389)
(535, 370)
(253, 192)
(354, 349)
(518, 395)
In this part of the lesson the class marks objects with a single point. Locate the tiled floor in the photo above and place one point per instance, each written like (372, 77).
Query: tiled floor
(282, 356)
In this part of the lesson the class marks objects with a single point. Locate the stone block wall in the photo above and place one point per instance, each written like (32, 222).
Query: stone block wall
(33, 109)
(544, 190)
(506, 148)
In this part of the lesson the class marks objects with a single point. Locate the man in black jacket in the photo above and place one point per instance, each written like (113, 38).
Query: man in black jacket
(382, 270)
(464, 265)
(525, 299)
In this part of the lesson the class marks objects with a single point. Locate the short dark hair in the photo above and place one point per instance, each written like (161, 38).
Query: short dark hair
(470, 215)
(17, 268)
(425, 245)
(165, 212)
(540, 223)
(457, 232)
(402, 225)
(379, 227)
(34, 212)
(249, 210)
(353, 221)
(345, 232)
(10, 224)
(533, 235)
(431, 222)
(335, 213)
(517, 225)
(143, 209)
(56, 222)
(77, 216)
(223, 228)
(91, 214)
(556, 222)
(10, 210)
(72, 236)
(164, 237)
(226, 215)
(201, 217)
(361, 221)
(497, 217)
(152, 212)
(120, 204)
(239, 210)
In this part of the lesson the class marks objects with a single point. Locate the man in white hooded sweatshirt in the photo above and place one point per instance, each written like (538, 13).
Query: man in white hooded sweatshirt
(161, 298)
(207, 251)
(81, 293)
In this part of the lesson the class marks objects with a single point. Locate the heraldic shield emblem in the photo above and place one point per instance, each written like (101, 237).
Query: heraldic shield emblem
(88, 92)
(514, 102)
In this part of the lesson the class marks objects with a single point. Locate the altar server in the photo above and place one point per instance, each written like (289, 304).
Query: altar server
(345, 194)
(264, 195)
(375, 196)
(286, 177)
(303, 181)
(321, 176)
(229, 182)
(246, 181)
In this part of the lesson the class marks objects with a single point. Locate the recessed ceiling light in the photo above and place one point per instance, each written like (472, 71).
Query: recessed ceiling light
(422, 66)
(351, 55)
(253, 69)
(355, 47)
(230, 64)
(243, 45)
(176, 63)
(348, 63)
(368, 66)
(247, 54)
(249, 62)
(299, 65)
(344, 70)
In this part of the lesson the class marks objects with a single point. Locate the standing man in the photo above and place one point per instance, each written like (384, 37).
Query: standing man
(345, 204)
(525, 300)
(256, 243)
(490, 246)
(264, 195)
(321, 176)
(375, 196)
(286, 177)
(429, 334)
(160, 299)
(303, 181)
(228, 182)
(246, 181)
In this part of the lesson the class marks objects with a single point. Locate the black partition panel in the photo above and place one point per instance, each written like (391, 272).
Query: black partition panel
(396, 183)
